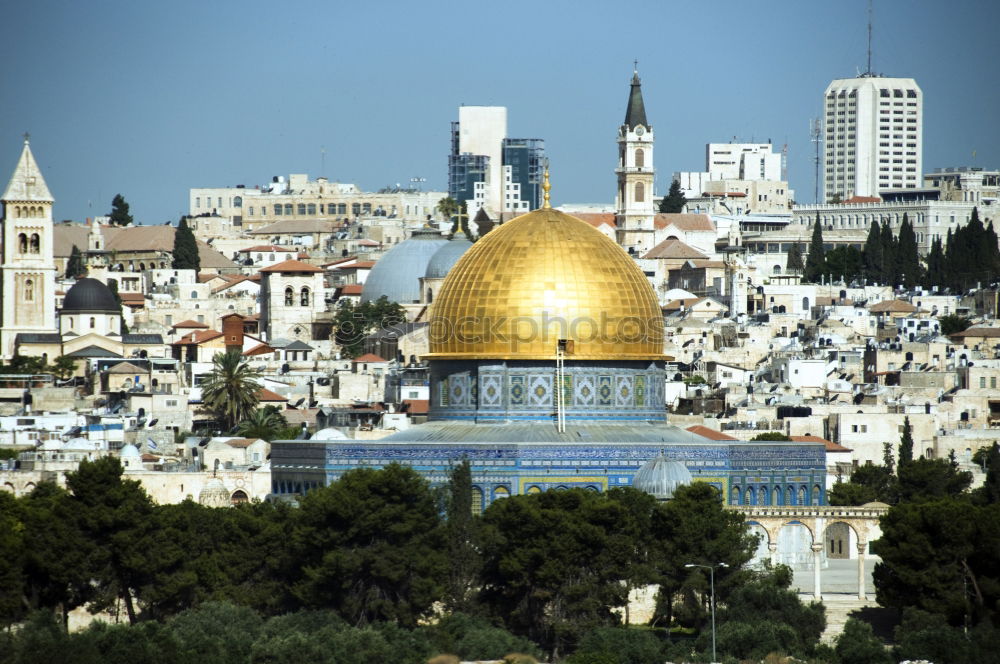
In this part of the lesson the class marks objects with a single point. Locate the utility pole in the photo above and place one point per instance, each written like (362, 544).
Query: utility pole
(816, 134)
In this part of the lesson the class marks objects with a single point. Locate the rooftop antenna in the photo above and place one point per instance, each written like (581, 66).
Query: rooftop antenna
(869, 71)
(816, 131)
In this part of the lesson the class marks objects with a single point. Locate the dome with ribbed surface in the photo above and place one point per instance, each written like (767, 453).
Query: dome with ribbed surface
(90, 296)
(542, 277)
(445, 258)
(214, 494)
(397, 274)
(660, 477)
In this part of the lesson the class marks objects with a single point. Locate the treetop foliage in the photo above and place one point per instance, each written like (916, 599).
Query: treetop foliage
(119, 214)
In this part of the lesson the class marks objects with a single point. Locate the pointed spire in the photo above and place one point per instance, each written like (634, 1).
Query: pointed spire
(635, 114)
(27, 183)
(546, 185)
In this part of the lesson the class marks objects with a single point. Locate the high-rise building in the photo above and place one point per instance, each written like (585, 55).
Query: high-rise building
(873, 128)
(634, 200)
(488, 170)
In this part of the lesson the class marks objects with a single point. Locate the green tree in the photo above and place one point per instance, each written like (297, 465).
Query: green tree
(119, 212)
(74, 265)
(816, 258)
(460, 531)
(890, 261)
(845, 262)
(953, 323)
(908, 256)
(793, 263)
(675, 200)
(934, 275)
(872, 254)
(762, 615)
(905, 444)
(868, 483)
(989, 492)
(186, 256)
(353, 323)
(63, 367)
(12, 554)
(771, 435)
(114, 514)
(370, 547)
(231, 390)
(266, 423)
(857, 644)
(929, 479)
(448, 207)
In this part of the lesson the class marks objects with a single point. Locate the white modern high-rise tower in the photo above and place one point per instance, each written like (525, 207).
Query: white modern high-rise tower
(873, 128)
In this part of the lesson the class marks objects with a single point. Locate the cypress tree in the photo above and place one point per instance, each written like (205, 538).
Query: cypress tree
(674, 201)
(906, 444)
(934, 275)
(908, 256)
(890, 270)
(816, 260)
(74, 266)
(185, 248)
(119, 211)
(948, 273)
(873, 254)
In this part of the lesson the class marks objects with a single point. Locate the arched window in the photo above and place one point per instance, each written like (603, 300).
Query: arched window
(93, 322)
(289, 296)
(304, 297)
(762, 496)
(430, 295)
(238, 202)
(22, 243)
(29, 290)
(301, 209)
(805, 304)
(36, 243)
(194, 295)
(802, 496)
(640, 158)
(500, 492)
(749, 496)
(142, 267)
(735, 497)
(776, 496)
(288, 208)
(70, 319)
(477, 500)
(776, 269)
(640, 192)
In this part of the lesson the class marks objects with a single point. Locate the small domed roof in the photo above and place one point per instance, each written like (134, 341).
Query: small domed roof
(397, 274)
(329, 434)
(90, 296)
(130, 451)
(660, 477)
(214, 494)
(445, 258)
(80, 444)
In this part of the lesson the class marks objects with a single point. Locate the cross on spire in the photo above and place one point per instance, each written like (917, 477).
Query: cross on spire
(26, 137)
(635, 65)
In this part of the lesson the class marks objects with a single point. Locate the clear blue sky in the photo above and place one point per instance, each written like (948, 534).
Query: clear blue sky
(152, 98)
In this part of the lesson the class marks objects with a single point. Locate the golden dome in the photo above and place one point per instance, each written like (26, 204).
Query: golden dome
(542, 277)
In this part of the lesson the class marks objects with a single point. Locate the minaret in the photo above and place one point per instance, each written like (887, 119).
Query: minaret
(634, 200)
(28, 270)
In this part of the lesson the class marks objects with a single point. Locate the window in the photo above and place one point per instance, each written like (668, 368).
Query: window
(93, 322)
(36, 243)
(640, 192)
(22, 243)
(289, 296)
(288, 208)
(304, 297)
(311, 208)
(277, 210)
(640, 158)
(251, 211)
(301, 209)
(171, 403)
(238, 202)
(194, 295)
(29, 290)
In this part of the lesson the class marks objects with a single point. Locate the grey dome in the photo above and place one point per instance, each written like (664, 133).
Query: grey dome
(214, 494)
(329, 434)
(660, 477)
(445, 258)
(397, 274)
(90, 296)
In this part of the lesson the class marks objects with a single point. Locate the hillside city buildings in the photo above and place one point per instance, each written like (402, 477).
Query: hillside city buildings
(736, 343)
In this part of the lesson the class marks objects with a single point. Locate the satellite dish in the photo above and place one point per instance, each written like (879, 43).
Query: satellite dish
(299, 402)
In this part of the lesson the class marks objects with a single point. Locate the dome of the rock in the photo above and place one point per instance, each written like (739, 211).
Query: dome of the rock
(539, 278)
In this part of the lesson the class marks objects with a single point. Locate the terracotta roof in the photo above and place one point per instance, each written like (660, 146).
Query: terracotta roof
(149, 458)
(192, 324)
(259, 349)
(291, 266)
(348, 259)
(674, 248)
(197, 337)
(365, 242)
(596, 219)
(205, 277)
(267, 395)
(352, 289)
(697, 262)
(232, 282)
(711, 434)
(302, 255)
(369, 357)
(862, 199)
(416, 406)
(892, 306)
(685, 222)
(297, 226)
(264, 247)
(829, 444)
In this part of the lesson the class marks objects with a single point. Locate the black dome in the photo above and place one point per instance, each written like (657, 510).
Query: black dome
(92, 296)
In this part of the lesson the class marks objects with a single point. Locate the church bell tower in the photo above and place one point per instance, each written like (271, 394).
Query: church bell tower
(27, 270)
(634, 199)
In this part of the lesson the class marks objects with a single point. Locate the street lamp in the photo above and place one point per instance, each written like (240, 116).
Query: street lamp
(711, 576)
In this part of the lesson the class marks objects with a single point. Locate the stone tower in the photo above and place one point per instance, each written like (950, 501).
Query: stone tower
(634, 199)
(28, 270)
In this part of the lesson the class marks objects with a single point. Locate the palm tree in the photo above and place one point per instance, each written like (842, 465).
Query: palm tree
(266, 423)
(231, 389)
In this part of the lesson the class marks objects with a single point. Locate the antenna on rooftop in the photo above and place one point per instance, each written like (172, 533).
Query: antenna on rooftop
(815, 132)
(868, 72)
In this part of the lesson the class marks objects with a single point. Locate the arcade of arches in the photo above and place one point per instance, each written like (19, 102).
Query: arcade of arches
(830, 531)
